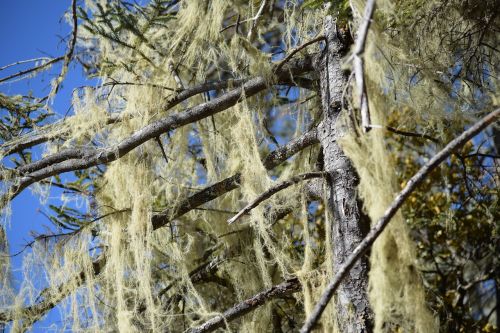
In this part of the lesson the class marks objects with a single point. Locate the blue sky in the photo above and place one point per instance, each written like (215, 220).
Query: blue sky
(31, 29)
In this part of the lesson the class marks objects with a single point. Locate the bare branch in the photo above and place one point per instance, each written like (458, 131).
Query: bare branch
(31, 70)
(376, 230)
(273, 190)
(359, 65)
(31, 139)
(69, 55)
(288, 287)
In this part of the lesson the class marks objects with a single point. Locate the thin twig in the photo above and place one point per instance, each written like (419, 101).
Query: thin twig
(382, 223)
(298, 49)
(31, 70)
(283, 289)
(251, 32)
(69, 55)
(273, 190)
(24, 62)
(158, 139)
(359, 64)
(405, 133)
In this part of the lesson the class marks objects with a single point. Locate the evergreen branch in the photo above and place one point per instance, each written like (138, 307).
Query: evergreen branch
(382, 223)
(288, 287)
(273, 190)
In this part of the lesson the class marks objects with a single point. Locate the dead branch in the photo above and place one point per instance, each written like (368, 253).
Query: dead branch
(358, 63)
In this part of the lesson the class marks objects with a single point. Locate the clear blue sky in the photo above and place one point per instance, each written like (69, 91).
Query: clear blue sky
(31, 29)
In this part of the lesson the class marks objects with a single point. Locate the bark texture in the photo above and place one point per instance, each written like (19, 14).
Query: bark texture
(353, 311)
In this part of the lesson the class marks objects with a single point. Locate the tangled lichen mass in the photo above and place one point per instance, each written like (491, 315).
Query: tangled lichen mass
(202, 107)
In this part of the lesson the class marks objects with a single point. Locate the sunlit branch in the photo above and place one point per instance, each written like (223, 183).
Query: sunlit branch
(358, 63)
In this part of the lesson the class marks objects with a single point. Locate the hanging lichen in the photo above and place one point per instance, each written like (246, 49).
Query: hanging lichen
(120, 272)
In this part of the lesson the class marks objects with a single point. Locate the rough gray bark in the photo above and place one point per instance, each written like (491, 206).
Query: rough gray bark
(348, 228)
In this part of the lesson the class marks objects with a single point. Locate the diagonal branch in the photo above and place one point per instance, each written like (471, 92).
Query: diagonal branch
(151, 131)
(288, 287)
(273, 190)
(31, 139)
(376, 230)
(31, 70)
(226, 185)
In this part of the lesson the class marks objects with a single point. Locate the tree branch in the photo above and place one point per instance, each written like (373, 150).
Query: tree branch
(376, 230)
(109, 154)
(273, 190)
(226, 185)
(31, 140)
(288, 287)
(31, 70)
(358, 63)
(69, 55)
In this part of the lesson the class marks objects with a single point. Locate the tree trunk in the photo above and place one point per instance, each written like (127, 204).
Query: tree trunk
(353, 311)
